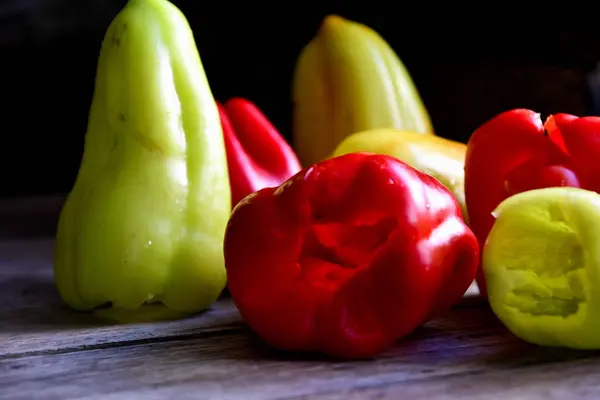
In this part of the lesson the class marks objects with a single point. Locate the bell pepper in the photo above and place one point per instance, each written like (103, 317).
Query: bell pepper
(145, 220)
(348, 79)
(441, 158)
(348, 255)
(542, 266)
(516, 152)
(257, 155)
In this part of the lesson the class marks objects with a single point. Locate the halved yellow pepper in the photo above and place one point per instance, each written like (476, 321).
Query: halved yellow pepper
(542, 266)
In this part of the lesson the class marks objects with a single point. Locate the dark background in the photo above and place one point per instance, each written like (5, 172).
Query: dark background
(465, 73)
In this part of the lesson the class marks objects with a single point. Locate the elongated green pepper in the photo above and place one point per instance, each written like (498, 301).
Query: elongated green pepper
(145, 220)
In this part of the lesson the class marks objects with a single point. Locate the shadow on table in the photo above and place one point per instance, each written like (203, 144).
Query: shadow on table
(33, 304)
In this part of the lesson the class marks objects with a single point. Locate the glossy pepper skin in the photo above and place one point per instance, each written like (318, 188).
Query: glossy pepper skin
(515, 152)
(257, 155)
(348, 79)
(145, 220)
(439, 157)
(348, 256)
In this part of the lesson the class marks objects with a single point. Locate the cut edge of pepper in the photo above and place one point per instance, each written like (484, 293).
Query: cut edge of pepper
(539, 321)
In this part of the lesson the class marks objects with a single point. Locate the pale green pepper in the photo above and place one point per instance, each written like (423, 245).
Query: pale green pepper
(542, 266)
(145, 220)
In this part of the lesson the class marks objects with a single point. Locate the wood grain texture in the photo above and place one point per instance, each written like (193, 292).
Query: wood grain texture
(50, 352)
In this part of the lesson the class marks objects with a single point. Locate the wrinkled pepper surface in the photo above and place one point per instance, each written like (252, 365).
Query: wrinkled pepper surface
(441, 158)
(542, 266)
(145, 220)
(348, 255)
(515, 152)
(257, 155)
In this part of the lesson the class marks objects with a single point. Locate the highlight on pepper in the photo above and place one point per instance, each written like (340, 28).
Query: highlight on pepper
(542, 266)
(348, 255)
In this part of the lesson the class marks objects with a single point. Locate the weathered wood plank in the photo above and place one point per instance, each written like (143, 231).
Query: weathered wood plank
(50, 352)
(80, 332)
(34, 320)
(577, 379)
(459, 352)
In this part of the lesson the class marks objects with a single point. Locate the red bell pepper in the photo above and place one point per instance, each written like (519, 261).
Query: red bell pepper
(348, 255)
(515, 152)
(257, 155)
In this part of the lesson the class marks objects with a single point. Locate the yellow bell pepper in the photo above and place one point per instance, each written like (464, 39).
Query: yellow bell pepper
(542, 266)
(349, 79)
(145, 220)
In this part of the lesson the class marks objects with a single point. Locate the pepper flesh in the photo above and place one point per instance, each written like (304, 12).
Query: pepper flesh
(542, 266)
(515, 152)
(348, 255)
(145, 219)
(257, 155)
(441, 158)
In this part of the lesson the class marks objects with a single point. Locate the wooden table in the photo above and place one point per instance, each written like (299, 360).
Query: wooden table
(50, 352)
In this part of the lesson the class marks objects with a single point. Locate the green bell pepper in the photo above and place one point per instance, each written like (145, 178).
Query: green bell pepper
(542, 266)
(145, 220)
